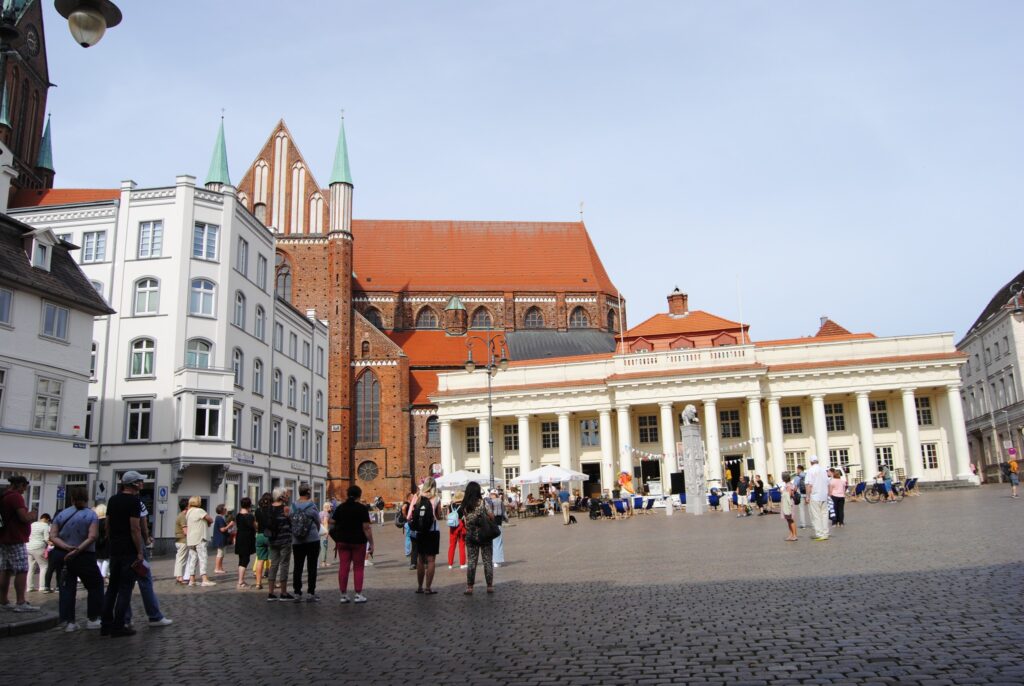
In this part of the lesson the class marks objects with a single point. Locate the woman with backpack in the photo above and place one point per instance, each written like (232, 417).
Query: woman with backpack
(477, 517)
(353, 537)
(456, 533)
(423, 521)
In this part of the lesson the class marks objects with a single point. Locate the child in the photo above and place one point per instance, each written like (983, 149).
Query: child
(787, 504)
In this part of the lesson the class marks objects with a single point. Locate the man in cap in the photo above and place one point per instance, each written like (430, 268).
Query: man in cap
(13, 537)
(816, 486)
(124, 530)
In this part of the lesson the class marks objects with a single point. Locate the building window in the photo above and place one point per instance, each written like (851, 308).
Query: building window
(433, 432)
(318, 448)
(304, 399)
(834, 418)
(98, 287)
(426, 319)
(261, 272)
(612, 328)
(792, 423)
(289, 442)
(260, 327)
(879, 416)
(278, 337)
(368, 408)
(306, 355)
(589, 436)
(549, 435)
(930, 455)
(55, 321)
(256, 432)
(320, 360)
(151, 240)
(648, 426)
(481, 318)
(364, 349)
(794, 458)
(283, 277)
(319, 405)
(139, 416)
(143, 351)
(579, 319)
(275, 386)
(94, 246)
(207, 417)
(90, 405)
(924, 411)
(204, 241)
(304, 444)
(94, 355)
(147, 297)
(730, 423)
(203, 295)
(41, 256)
(236, 427)
(275, 437)
(472, 439)
(6, 301)
(883, 455)
(242, 258)
(511, 473)
(47, 410)
(511, 437)
(3, 387)
(197, 354)
(373, 316)
(534, 319)
(239, 318)
(367, 471)
(291, 392)
(839, 457)
(293, 346)
(238, 366)
(257, 376)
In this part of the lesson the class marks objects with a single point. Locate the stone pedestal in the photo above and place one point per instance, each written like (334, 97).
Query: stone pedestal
(692, 463)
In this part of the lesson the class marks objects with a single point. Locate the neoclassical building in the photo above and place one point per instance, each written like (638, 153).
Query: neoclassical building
(856, 400)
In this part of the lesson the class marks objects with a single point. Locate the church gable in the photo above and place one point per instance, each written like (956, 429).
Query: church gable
(370, 344)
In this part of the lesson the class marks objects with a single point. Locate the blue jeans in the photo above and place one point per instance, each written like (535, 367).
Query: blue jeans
(81, 566)
(119, 592)
(149, 600)
(408, 541)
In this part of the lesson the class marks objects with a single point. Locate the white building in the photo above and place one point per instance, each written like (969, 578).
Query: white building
(46, 319)
(993, 401)
(856, 400)
(204, 381)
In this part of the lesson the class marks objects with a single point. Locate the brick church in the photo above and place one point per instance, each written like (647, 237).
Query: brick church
(408, 299)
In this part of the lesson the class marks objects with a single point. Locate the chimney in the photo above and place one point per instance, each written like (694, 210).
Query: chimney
(678, 303)
(823, 320)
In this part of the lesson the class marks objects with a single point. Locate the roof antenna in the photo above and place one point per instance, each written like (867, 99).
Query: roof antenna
(581, 211)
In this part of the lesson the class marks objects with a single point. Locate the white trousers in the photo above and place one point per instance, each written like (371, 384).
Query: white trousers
(196, 557)
(180, 558)
(819, 517)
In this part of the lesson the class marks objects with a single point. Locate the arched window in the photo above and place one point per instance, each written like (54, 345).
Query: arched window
(373, 316)
(612, 324)
(275, 388)
(534, 319)
(197, 354)
(257, 376)
(239, 319)
(259, 210)
(143, 351)
(283, 281)
(426, 319)
(433, 432)
(260, 328)
(365, 349)
(204, 294)
(368, 408)
(319, 405)
(291, 392)
(147, 296)
(579, 319)
(238, 366)
(305, 398)
(481, 318)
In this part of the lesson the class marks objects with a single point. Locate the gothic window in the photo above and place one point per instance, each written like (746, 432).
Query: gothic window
(579, 319)
(365, 350)
(283, 283)
(481, 318)
(373, 316)
(534, 319)
(433, 432)
(612, 328)
(368, 408)
(426, 319)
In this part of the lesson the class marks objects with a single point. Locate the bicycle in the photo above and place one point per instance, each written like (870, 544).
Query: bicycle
(876, 492)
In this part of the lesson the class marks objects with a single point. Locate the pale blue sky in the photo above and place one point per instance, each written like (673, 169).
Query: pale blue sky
(860, 159)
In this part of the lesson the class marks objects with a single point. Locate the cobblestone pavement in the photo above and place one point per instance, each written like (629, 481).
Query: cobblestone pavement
(927, 591)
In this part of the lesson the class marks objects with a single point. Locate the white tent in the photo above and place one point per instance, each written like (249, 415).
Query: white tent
(549, 474)
(459, 479)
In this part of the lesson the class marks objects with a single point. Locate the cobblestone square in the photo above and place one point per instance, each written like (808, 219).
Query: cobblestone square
(927, 591)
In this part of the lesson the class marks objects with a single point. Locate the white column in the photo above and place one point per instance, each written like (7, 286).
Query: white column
(607, 449)
(820, 430)
(525, 463)
(960, 456)
(775, 429)
(625, 439)
(756, 425)
(714, 457)
(668, 445)
(564, 441)
(868, 460)
(447, 458)
(913, 456)
(485, 446)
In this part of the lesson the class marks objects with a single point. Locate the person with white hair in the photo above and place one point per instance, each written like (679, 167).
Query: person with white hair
(816, 485)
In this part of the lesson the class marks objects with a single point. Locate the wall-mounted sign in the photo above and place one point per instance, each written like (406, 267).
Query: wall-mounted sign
(80, 446)
(335, 427)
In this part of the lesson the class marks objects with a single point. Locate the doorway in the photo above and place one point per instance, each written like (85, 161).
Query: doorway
(733, 468)
(650, 470)
(592, 486)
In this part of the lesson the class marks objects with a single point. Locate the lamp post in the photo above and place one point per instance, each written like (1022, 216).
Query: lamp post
(88, 20)
(497, 360)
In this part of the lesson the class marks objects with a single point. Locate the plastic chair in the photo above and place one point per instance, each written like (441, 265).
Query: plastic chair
(650, 506)
(638, 502)
(682, 498)
(713, 500)
(858, 491)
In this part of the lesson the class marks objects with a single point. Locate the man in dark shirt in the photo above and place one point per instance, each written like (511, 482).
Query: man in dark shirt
(124, 530)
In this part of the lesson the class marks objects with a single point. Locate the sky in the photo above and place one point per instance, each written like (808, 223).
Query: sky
(777, 161)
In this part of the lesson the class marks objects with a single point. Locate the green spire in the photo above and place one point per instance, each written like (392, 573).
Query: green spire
(45, 160)
(454, 303)
(5, 115)
(219, 162)
(341, 172)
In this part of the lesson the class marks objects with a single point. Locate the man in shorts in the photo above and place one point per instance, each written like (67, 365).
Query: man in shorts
(13, 537)
(741, 496)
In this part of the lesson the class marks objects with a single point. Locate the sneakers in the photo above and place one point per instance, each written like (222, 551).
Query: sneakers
(70, 628)
(298, 597)
(208, 583)
(497, 564)
(93, 624)
(271, 598)
(47, 590)
(464, 567)
(285, 597)
(24, 607)
(820, 538)
(7, 606)
(117, 633)
(359, 598)
(344, 599)
(367, 562)
(163, 621)
(450, 567)
(312, 598)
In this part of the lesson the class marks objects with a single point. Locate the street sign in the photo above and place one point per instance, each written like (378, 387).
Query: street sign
(1008, 444)
(80, 446)
(1013, 451)
(60, 493)
(162, 494)
(335, 427)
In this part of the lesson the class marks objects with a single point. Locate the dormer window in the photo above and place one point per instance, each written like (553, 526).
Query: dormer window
(41, 256)
(39, 247)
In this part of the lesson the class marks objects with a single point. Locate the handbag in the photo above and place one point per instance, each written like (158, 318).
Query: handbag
(485, 532)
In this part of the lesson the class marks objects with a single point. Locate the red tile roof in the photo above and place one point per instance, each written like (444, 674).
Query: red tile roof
(432, 348)
(830, 328)
(815, 339)
(30, 197)
(422, 384)
(476, 255)
(695, 321)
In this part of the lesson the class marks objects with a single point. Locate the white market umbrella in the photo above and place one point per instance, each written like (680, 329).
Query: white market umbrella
(549, 474)
(458, 479)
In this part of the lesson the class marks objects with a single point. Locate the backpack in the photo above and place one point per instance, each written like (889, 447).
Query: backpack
(423, 517)
(453, 517)
(799, 481)
(301, 523)
(796, 496)
(400, 518)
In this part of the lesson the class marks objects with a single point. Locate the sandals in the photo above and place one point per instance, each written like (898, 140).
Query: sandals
(429, 592)
(419, 590)
(490, 589)
(468, 591)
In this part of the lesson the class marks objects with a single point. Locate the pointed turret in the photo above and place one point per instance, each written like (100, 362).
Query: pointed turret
(45, 160)
(218, 174)
(341, 186)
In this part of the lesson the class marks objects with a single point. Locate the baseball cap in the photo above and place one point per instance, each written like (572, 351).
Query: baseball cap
(132, 476)
(814, 458)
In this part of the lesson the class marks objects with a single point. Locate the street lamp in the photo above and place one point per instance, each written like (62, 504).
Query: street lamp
(88, 20)
(497, 361)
